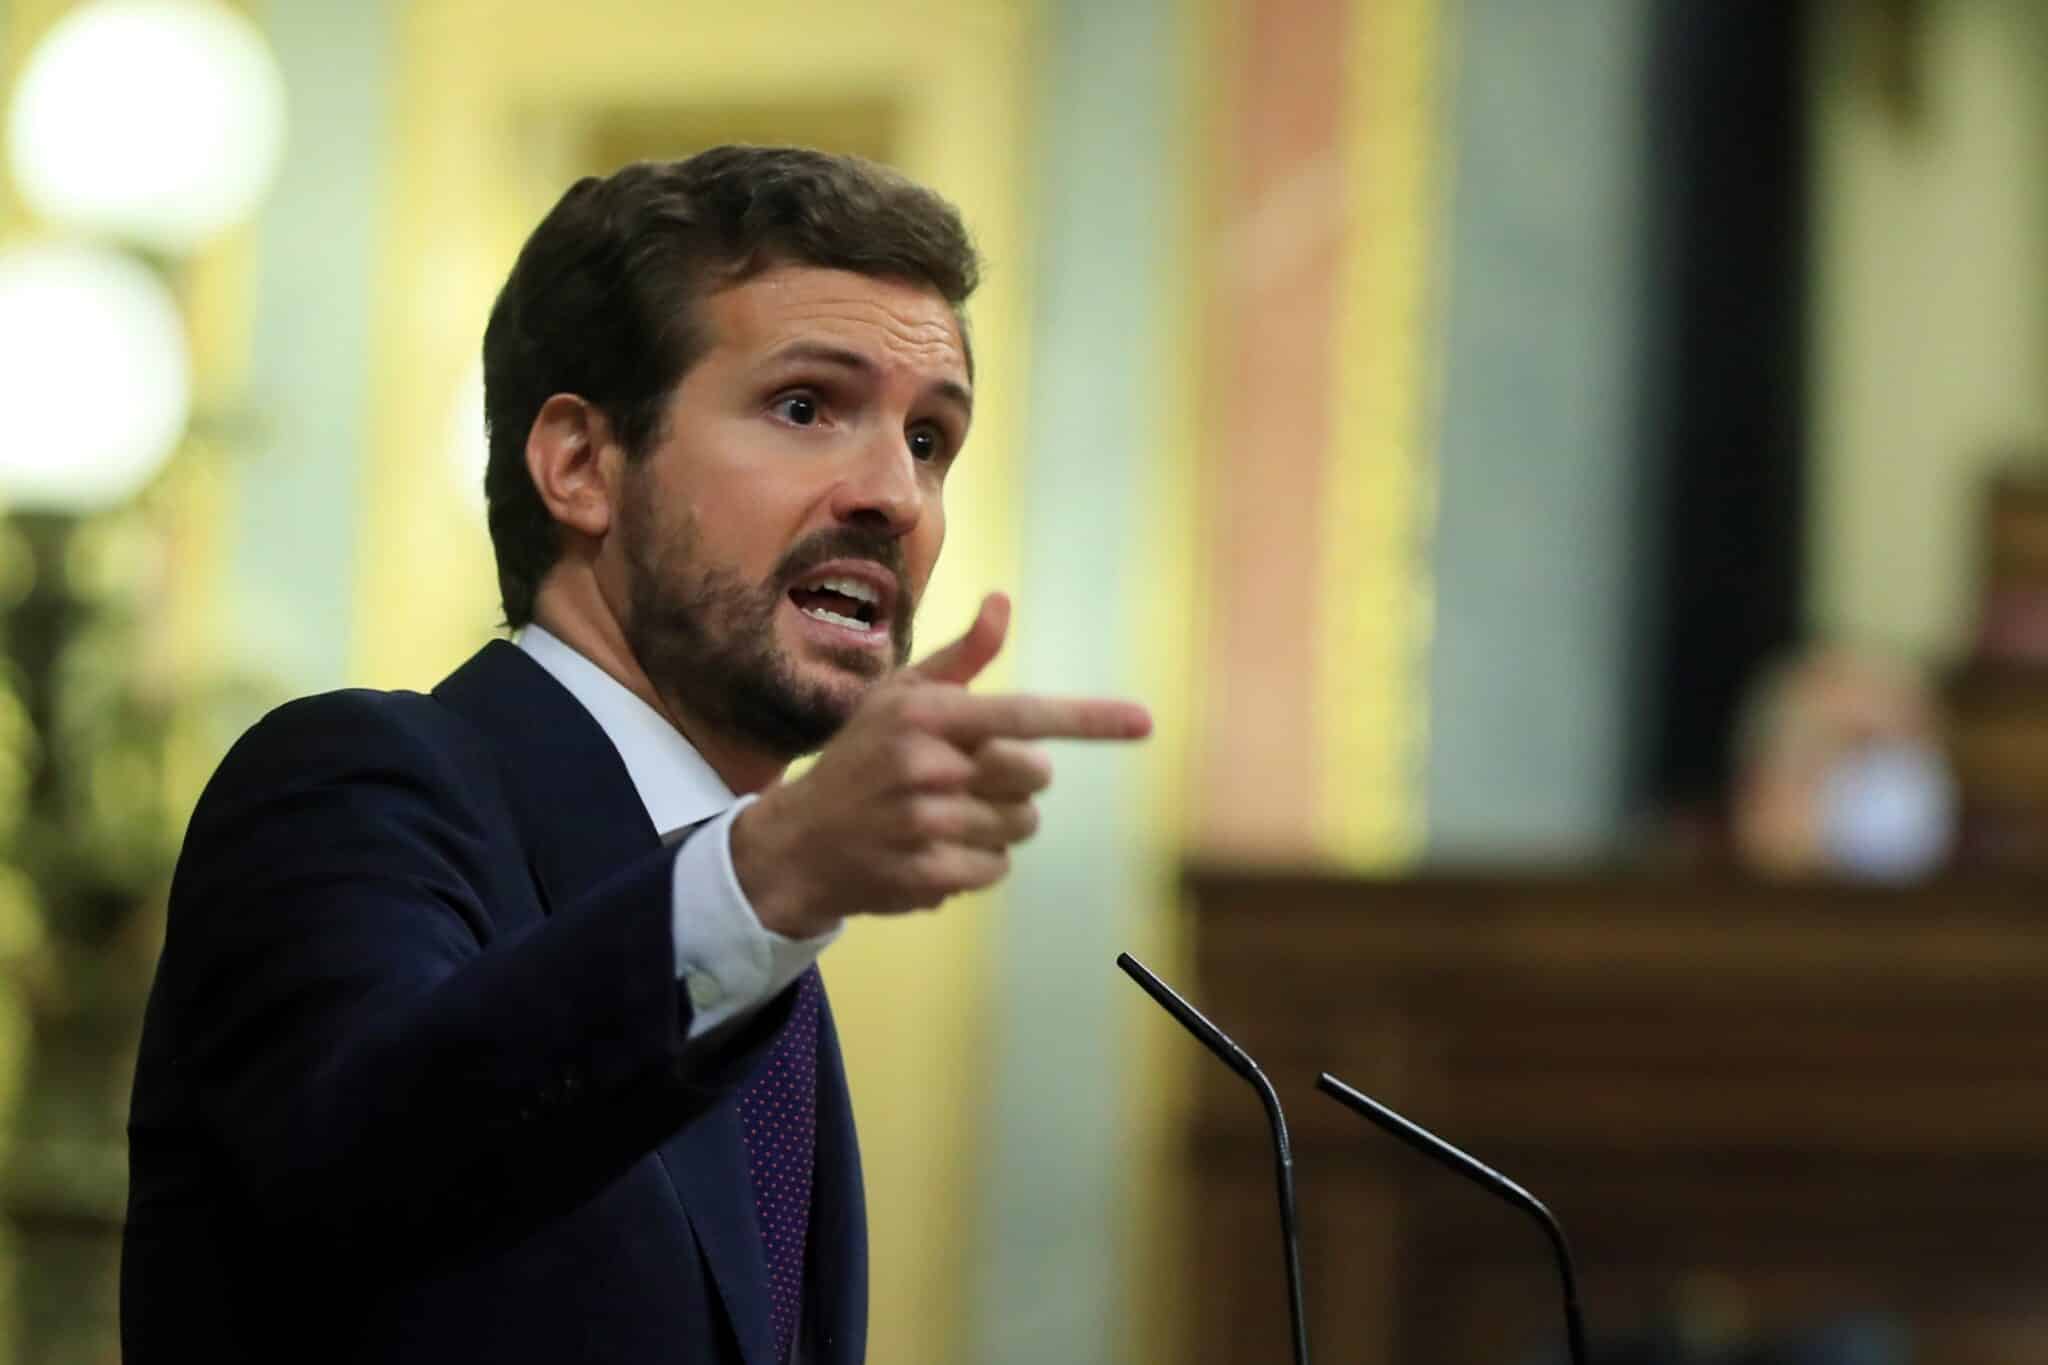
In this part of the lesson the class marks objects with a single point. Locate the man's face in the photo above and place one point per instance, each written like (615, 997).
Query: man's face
(779, 535)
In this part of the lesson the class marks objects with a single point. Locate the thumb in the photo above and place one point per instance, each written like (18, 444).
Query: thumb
(962, 661)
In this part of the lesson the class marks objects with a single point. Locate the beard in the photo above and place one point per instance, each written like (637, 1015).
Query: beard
(707, 639)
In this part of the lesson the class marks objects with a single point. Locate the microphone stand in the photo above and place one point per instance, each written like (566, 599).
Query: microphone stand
(1469, 1166)
(1238, 1060)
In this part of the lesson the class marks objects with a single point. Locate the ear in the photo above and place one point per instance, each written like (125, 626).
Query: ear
(573, 459)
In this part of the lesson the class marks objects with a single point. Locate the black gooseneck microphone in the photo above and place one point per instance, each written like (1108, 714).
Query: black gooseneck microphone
(1469, 1166)
(1239, 1061)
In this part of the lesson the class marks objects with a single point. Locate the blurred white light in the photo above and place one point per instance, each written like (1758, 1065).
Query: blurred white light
(468, 449)
(95, 377)
(159, 121)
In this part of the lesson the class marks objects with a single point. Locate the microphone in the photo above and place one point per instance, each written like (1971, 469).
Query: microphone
(1469, 1166)
(1239, 1061)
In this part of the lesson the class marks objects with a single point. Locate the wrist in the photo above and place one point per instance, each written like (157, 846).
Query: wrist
(771, 876)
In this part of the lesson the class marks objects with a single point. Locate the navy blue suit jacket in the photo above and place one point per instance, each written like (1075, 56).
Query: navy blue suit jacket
(413, 1083)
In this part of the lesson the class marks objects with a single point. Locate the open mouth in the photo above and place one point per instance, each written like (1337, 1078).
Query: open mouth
(842, 600)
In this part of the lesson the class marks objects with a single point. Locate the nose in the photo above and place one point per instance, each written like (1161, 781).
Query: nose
(880, 488)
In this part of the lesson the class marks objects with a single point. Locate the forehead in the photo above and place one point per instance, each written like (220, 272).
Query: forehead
(900, 325)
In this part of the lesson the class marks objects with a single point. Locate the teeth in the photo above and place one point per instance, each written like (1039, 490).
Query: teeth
(835, 618)
(853, 588)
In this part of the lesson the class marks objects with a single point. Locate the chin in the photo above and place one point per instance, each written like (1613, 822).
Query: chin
(839, 689)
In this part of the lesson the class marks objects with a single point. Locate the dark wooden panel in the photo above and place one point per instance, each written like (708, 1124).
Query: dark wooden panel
(1783, 1102)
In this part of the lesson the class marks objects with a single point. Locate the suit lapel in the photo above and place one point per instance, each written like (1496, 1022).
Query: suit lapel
(838, 1309)
(580, 820)
(707, 1163)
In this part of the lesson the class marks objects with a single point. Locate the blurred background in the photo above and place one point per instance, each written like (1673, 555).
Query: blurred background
(1567, 474)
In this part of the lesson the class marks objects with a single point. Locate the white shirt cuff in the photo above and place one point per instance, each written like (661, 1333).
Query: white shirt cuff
(730, 965)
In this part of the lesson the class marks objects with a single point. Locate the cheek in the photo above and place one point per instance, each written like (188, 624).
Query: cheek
(747, 519)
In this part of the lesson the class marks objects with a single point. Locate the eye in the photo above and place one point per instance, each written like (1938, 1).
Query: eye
(797, 409)
(926, 443)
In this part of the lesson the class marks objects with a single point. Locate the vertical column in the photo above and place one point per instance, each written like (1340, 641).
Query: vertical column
(1321, 376)
(292, 544)
(1274, 281)
(1537, 549)
(1371, 707)
(1055, 1214)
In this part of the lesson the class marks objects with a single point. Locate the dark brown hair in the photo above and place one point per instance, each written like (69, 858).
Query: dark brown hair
(602, 302)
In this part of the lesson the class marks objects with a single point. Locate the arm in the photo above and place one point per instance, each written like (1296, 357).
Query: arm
(380, 1060)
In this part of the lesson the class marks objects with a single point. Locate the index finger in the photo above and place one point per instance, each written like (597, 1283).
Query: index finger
(968, 719)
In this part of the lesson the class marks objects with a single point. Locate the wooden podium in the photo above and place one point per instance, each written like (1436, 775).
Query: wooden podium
(1753, 1107)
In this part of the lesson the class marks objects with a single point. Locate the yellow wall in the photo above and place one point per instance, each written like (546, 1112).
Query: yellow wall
(496, 103)
(1373, 647)
(1930, 311)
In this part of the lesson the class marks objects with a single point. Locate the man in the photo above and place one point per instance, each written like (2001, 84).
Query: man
(488, 1025)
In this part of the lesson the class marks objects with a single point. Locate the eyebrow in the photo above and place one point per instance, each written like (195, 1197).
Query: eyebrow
(821, 353)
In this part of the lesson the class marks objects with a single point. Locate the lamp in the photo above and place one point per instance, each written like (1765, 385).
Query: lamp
(159, 122)
(149, 125)
(94, 376)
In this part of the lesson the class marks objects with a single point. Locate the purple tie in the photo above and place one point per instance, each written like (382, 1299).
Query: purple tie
(779, 1111)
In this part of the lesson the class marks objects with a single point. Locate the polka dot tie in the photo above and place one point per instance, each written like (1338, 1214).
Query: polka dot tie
(779, 1111)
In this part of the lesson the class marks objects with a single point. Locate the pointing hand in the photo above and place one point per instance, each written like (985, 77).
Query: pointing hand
(919, 797)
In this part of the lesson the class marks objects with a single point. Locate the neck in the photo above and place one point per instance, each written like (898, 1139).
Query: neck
(591, 629)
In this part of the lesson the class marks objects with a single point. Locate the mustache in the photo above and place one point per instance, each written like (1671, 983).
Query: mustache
(843, 542)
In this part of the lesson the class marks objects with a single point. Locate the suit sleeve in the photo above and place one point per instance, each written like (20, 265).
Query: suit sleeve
(380, 1063)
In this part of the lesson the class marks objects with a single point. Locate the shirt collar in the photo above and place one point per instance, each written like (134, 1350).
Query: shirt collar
(675, 784)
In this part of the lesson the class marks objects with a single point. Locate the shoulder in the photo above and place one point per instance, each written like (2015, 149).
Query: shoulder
(404, 743)
(342, 784)
(352, 728)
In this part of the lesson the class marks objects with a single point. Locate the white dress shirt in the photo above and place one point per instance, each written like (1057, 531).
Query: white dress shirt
(728, 962)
